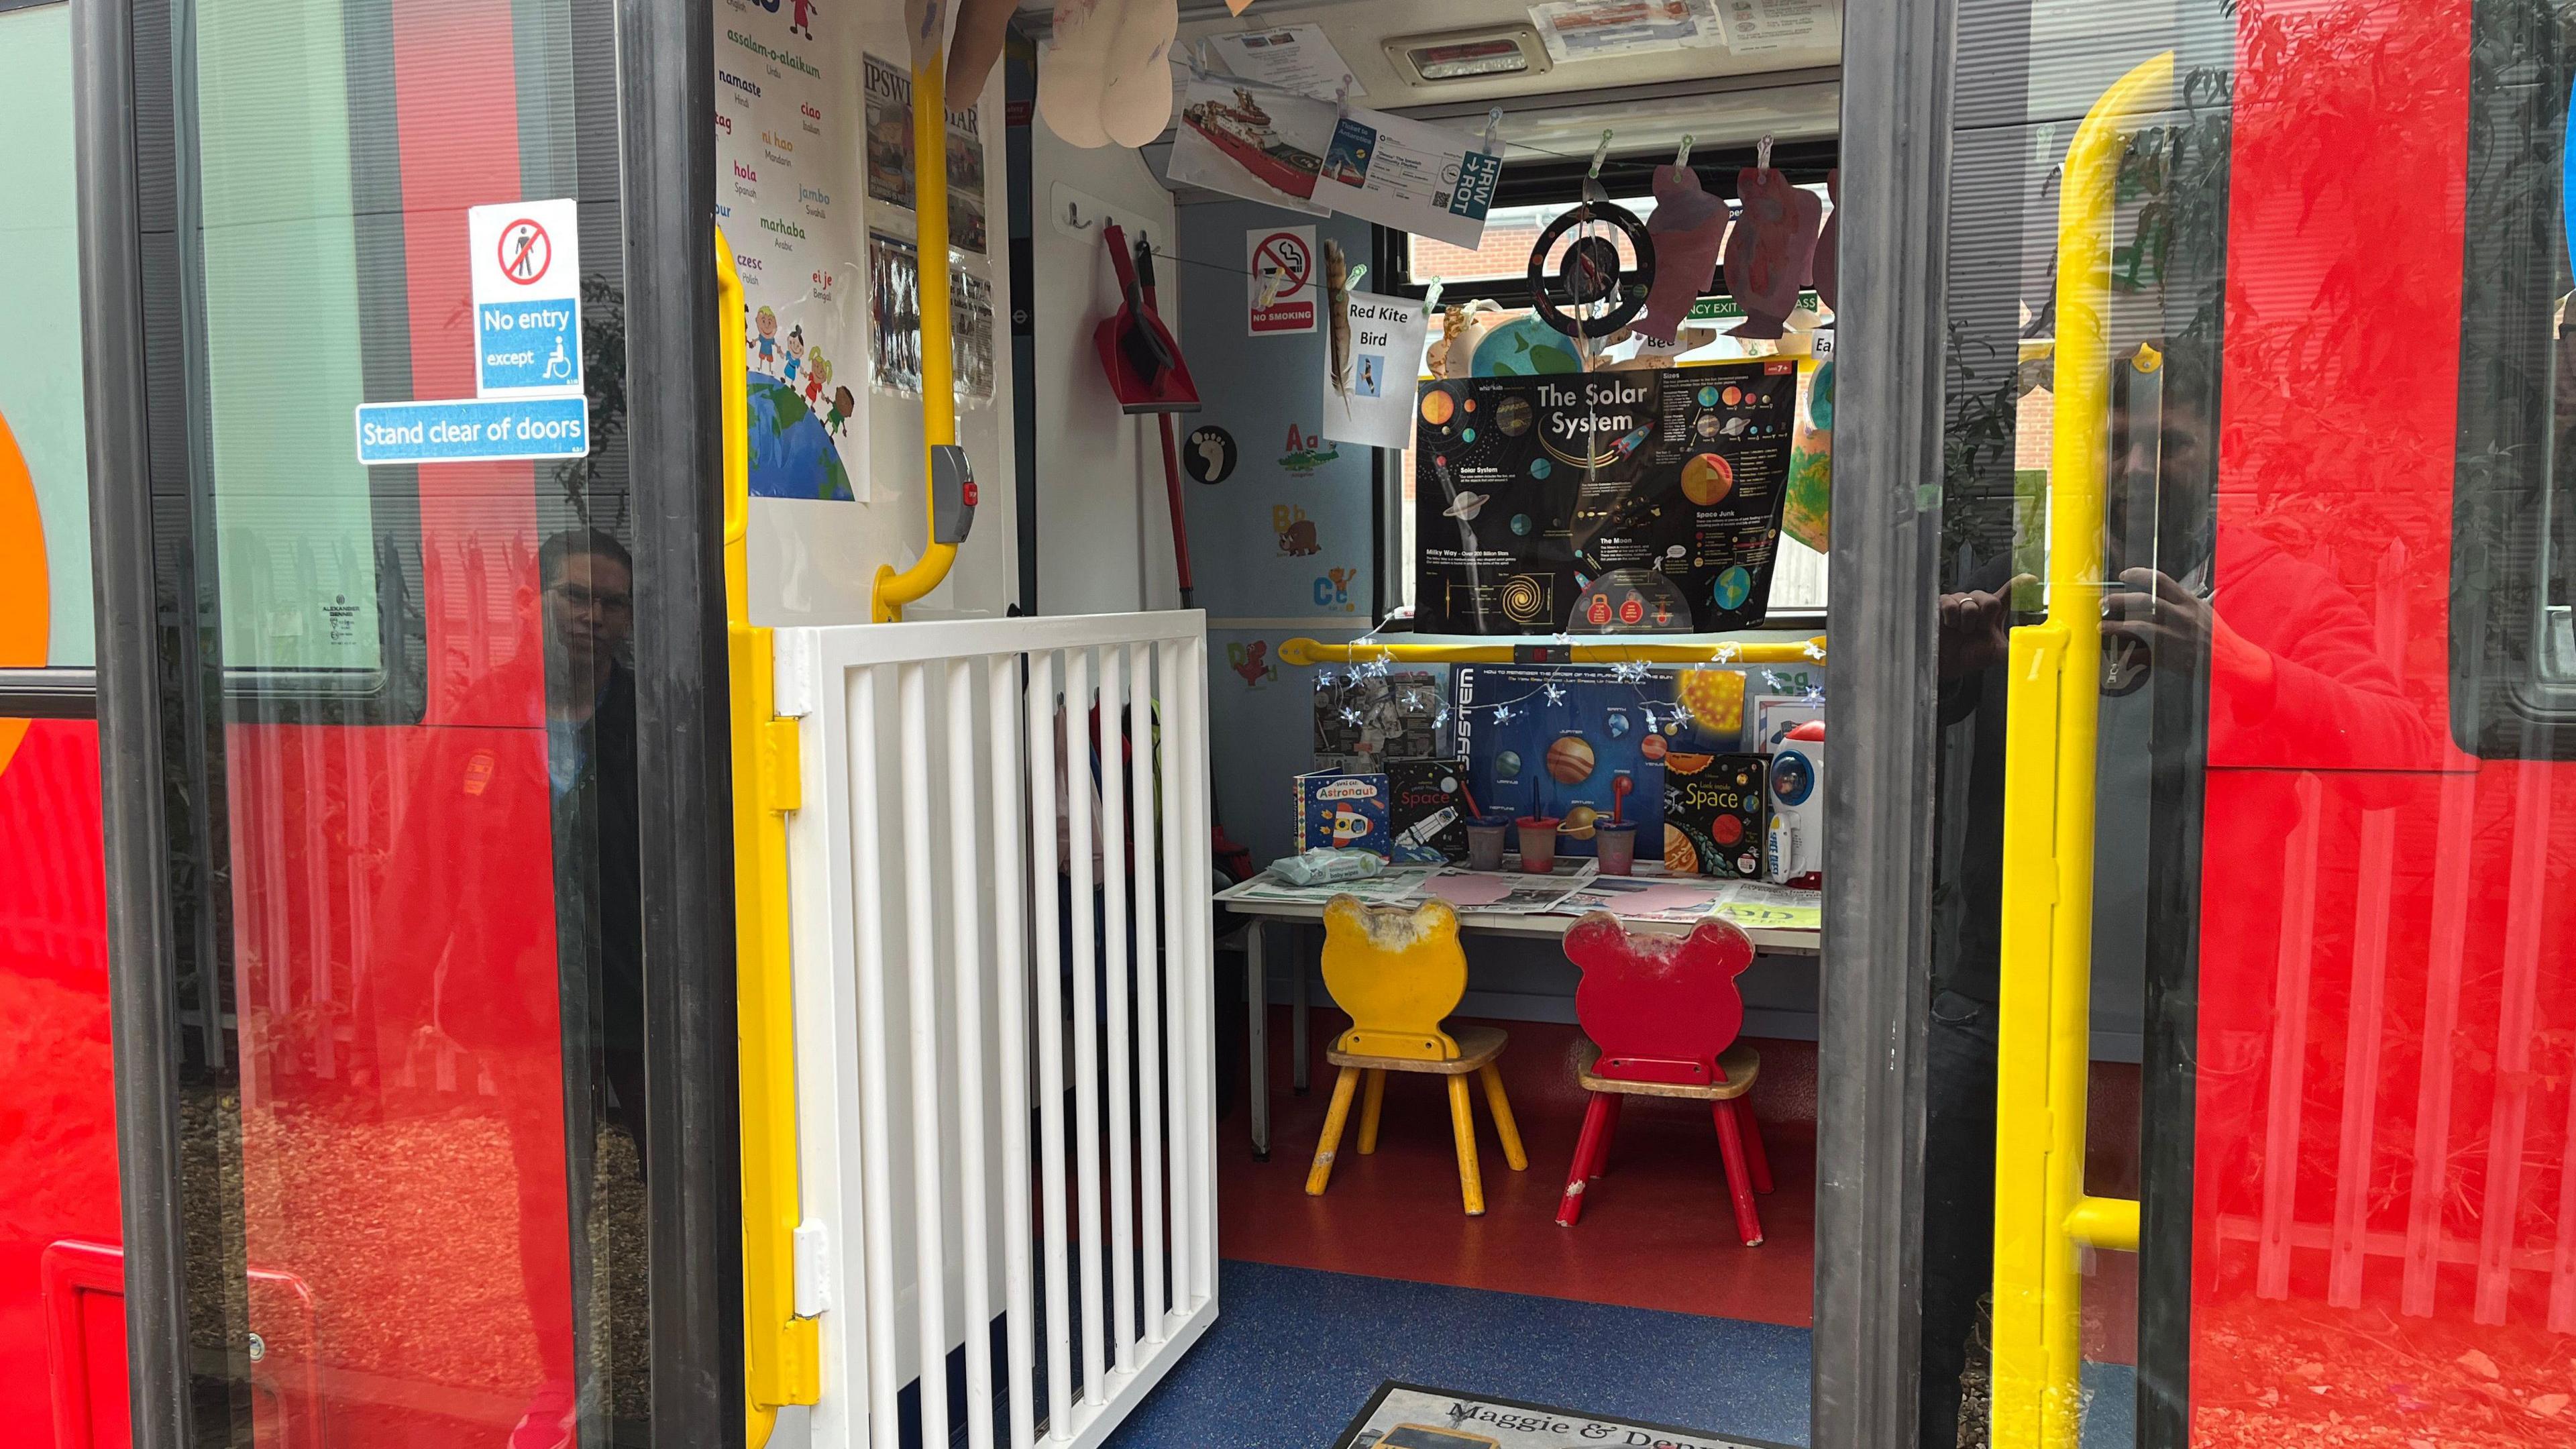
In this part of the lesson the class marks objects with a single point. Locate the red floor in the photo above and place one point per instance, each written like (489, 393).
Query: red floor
(1656, 1233)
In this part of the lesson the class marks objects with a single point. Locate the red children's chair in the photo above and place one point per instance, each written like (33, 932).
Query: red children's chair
(1661, 1014)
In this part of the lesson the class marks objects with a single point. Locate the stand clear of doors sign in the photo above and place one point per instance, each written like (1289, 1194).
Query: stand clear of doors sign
(528, 402)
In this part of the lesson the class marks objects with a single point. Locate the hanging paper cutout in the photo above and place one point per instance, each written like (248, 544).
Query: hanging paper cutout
(1107, 77)
(1768, 252)
(1826, 281)
(1688, 226)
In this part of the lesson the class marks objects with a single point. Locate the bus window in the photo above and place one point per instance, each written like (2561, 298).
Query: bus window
(2513, 544)
(58, 1133)
(44, 474)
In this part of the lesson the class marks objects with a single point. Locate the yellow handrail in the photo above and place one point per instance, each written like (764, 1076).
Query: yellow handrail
(781, 1352)
(2044, 1025)
(938, 362)
(1301, 652)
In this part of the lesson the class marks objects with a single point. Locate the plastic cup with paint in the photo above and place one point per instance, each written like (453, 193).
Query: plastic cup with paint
(1485, 835)
(1538, 844)
(1614, 842)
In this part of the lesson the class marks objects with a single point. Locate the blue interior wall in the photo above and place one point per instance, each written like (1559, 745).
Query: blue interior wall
(1254, 578)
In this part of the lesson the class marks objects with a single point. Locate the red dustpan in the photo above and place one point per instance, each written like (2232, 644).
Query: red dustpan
(1146, 372)
(1136, 350)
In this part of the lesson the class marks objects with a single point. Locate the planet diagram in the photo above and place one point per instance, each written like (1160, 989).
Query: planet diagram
(1707, 479)
(1512, 415)
(1438, 408)
(1570, 760)
(1466, 506)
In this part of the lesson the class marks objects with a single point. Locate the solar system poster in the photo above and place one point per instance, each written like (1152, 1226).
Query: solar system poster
(1601, 503)
(1564, 756)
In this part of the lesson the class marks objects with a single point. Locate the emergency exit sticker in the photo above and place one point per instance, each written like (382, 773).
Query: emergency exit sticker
(527, 297)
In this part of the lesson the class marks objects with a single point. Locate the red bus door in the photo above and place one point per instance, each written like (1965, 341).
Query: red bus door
(2283, 1019)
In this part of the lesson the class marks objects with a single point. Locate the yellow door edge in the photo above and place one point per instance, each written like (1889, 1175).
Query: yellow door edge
(781, 1352)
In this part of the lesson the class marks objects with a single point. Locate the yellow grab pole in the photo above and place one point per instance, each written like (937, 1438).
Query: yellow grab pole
(938, 361)
(2042, 1216)
(1301, 652)
(780, 1350)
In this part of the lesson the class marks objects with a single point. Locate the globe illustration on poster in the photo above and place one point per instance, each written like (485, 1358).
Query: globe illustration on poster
(792, 452)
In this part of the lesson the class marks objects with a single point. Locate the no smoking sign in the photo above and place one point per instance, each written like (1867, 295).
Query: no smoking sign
(1281, 261)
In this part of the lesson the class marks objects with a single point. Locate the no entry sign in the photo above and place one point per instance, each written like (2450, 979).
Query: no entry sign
(1281, 260)
(527, 297)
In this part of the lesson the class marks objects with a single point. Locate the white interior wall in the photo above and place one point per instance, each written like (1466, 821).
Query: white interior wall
(1103, 530)
(816, 562)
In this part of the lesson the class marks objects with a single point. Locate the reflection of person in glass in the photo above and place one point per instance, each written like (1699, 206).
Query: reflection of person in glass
(521, 976)
(2294, 675)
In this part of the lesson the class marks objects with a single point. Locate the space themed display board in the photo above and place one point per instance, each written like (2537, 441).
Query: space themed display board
(1566, 736)
(1600, 503)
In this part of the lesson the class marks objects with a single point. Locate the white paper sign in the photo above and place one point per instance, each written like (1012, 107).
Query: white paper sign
(1292, 57)
(1603, 29)
(1757, 27)
(1410, 175)
(1370, 367)
(526, 265)
(1286, 287)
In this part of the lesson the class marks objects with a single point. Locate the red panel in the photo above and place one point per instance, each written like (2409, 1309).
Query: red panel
(2384, 1218)
(2334, 510)
(57, 1112)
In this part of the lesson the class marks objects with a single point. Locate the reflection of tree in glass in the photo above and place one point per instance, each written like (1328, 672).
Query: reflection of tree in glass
(603, 381)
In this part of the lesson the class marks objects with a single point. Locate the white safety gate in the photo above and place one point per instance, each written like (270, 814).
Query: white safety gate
(1005, 1073)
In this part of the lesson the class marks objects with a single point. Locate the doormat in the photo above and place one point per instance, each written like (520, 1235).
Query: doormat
(1412, 1416)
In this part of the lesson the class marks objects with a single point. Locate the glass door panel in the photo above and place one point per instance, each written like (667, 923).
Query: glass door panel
(415, 1145)
(2305, 353)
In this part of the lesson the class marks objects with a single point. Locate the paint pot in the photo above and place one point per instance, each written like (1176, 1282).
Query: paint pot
(1485, 841)
(1615, 843)
(1538, 844)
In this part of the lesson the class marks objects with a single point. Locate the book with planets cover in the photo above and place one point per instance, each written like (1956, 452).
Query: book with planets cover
(1602, 502)
(1564, 755)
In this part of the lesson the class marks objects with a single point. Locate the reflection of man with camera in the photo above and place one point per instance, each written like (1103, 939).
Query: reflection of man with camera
(2294, 677)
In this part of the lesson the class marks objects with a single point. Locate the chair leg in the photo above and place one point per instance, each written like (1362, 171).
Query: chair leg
(1504, 1126)
(1462, 1123)
(1372, 1099)
(1609, 1134)
(1757, 1158)
(1587, 1147)
(1730, 1145)
(1335, 1118)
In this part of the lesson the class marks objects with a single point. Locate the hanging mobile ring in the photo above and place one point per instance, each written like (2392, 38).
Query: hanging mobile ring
(1589, 273)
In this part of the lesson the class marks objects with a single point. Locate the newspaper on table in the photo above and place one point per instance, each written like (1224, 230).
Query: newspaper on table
(1648, 897)
(1512, 892)
(1780, 908)
(1393, 886)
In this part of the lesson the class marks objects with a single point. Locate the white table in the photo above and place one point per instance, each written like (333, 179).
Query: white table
(1264, 914)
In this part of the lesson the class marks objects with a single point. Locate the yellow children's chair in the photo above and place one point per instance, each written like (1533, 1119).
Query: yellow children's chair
(1399, 972)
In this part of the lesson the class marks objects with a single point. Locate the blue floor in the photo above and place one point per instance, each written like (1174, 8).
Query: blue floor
(1294, 1353)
